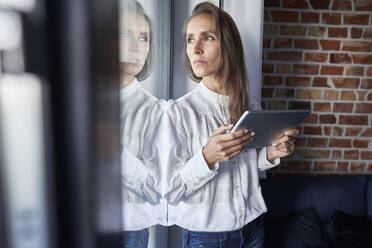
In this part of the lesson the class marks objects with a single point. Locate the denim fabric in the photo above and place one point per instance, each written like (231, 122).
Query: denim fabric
(136, 239)
(250, 236)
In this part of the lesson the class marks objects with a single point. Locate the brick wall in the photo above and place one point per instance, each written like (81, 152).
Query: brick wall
(318, 55)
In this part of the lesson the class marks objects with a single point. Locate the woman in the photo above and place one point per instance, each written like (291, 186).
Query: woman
(140, 171)
(213, 186)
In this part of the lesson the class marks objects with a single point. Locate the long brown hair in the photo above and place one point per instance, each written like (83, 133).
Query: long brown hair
(231, 73)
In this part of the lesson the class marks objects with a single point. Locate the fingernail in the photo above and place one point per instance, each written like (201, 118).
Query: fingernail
(230, 125)
(246, 131)
(273, 145)
(286, 133)
(253, 134)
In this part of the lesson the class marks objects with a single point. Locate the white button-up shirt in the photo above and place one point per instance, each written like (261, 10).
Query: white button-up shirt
(200, 199)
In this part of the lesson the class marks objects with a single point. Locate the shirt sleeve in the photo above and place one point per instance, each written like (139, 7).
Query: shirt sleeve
(263, 163)
(141, 172)
(186, 173)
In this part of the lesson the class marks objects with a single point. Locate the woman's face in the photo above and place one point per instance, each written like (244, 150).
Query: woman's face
(203, 46)
(134, 42)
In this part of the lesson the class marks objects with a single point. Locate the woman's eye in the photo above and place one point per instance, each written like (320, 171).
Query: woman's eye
(209, 38)
(143, 38)
(189, 40)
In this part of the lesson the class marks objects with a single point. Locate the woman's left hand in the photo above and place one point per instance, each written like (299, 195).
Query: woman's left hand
(282, 146)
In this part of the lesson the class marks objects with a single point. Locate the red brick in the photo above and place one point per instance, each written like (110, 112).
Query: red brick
(283, 68)
(336, 154)
(363, 108)
(305, 69)
(312, 130)
(327, 130)
(317, 142)
(296, 165)
(267, 68)
(356, 19)
(354, 71)
(351, 154)
(283, 43)
(350, 83)
(310, 17)
(284, 93)
(270, 29)
(366, 84)
(284, 56)
(325, 166)
(348, 95)
(367, 133)
(369, 71)
(311, 119)
(367, 33)
(338, 131)
(369, 98)
(342, 166)
(356, 33)
(272, 3)
(360, 143)
(340, 58)
(267, 92)
(357, 166)
(341, 5)
(266, 42)
(322, 107)
(317, 31)
(320, 4)
(299, 105)
(284, 16)
(308, 94)
(353, 120)
(330, 44)
(369, 168)
(315, 154)
(316, 57)
(332, 70)
(277, 105)
(272, 80)
(329, 119)
(343, 107)
(331, 95)
(295, 4)
(300, 142)
(353, 131)
(364, 5)
(340, 143)
(306, 44)
(331, 18)
(366, 155)
(362, 59)
(292, 30)
(320, 82)
(357, 46)
(361, 94)
(297, 81)
(337, 32)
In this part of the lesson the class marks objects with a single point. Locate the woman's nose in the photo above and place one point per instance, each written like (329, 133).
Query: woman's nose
(197, 47)
(134, 45)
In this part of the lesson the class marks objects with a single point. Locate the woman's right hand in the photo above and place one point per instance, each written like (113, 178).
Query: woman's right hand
(224, 146)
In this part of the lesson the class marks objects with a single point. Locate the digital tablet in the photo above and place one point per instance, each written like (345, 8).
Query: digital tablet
(269, 125)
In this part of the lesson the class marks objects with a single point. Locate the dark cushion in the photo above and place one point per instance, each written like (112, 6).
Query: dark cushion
(296, 231)
(351, 231)
(369, 198)
(284, 196)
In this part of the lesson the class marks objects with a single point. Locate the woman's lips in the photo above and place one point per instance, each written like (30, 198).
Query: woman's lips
(200, 62)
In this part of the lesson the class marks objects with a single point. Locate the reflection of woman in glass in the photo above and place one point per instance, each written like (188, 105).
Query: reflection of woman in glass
(138, 110)
(213, 181)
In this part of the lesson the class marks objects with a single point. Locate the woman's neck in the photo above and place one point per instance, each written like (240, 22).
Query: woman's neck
(125, 80)
(214, 85)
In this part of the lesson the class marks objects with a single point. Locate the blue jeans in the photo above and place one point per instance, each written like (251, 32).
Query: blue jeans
(136, 239)
(249, 236)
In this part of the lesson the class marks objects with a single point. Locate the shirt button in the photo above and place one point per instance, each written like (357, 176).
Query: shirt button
(241, 211)
(237, 186)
